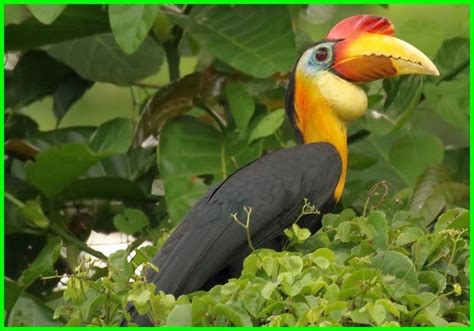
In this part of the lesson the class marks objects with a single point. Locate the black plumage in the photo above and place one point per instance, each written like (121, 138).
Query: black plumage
(208, 246)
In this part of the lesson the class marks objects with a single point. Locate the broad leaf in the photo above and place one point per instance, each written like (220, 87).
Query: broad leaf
(56, 168)
(113, 137)
(236, 315)
(31, 311)
(43, 264)
(452, 58)
(403, 95)
(268, 125)
(76, 21)
(241, 105)
(130, 221)
(46, 14)
(448, 95)
(35, 76)
(71, 89)
(12, 293)
(99, 58)
(192, 155)
(181, 315)
(434, 190)
(450, 100)
(130, 24)
(257, 40)
(412, 154)
(397, 264)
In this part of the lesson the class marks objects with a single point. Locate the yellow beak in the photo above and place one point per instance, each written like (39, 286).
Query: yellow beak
(366, 56)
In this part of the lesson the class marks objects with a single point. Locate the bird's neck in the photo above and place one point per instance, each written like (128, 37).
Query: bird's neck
(318, 122)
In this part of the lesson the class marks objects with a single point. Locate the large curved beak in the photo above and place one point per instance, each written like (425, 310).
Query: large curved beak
(365, 57)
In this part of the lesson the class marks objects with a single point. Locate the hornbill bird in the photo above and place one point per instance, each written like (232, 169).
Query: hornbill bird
(208, 246)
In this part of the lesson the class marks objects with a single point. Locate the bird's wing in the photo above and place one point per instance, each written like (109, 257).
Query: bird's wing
(274, 187)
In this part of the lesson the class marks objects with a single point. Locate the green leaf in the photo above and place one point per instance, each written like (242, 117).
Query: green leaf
(194, 155)
(378, 222)
(71, 89)
(181, 315)
(359, 161)
(58, 167)
(131, 23)
(43, 264)
(434, 191)
(301, 233)
(46, 14)
(241, 105)
(99, 58)
(257, 40)
(130, 221)
(457, 218)
(409, 235)
(412, 154)
(377, 312)
(450, 100)
(321, 262)
(253, 300)
(268, 125)
(31, 311)
(324, 252)
(76, 21)
(452, 58)
(352, 284)
(427, 300)
(34, 215)
(121, 269)
(397, 264)
(35, 76)
(403, 94)
(12, 293)
(268, 289)
(113, 137)
(236, 315)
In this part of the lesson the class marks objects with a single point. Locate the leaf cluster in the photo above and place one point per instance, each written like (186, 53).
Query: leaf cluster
(355, 271)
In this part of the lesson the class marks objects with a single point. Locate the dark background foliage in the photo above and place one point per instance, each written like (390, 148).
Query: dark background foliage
(118, 118)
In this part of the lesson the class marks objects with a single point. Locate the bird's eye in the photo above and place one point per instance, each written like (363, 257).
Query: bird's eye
(321, 54)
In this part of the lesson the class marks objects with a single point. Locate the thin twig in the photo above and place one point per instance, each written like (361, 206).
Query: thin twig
(246, 226)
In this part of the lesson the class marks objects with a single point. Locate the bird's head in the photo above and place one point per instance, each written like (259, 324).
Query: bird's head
(324, 93)
(358, 49)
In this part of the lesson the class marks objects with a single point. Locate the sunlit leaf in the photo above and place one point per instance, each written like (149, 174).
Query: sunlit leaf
(46, 14)
(130, 24)
(257, 40)
(99, 58)
(268, 125)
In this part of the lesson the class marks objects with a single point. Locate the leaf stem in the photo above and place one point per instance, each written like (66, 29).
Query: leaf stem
(62, 233)
(10, 197)
(246, 226)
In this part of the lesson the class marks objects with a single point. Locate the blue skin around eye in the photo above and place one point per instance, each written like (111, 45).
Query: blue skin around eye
(313, 65)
